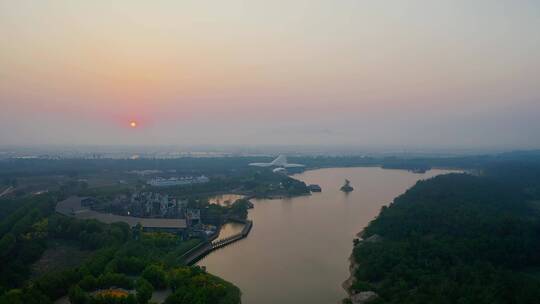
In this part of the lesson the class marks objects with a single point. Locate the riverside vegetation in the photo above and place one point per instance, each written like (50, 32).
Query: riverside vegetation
(452, 239)
(83, 258)
(456, 238)
(119, 257)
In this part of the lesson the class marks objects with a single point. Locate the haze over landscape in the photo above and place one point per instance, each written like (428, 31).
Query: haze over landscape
(262, 152)
(450, 74)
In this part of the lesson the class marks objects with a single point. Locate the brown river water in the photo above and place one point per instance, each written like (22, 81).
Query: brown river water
(298, 249)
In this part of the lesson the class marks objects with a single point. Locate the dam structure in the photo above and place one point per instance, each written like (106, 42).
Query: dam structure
(203, 249)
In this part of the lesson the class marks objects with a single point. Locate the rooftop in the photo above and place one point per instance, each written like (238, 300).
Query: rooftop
(72, 207)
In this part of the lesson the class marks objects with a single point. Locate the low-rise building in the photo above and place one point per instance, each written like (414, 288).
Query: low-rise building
(178, 181)
(72, 207)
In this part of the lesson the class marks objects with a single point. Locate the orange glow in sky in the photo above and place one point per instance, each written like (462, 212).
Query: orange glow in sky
(366, 73)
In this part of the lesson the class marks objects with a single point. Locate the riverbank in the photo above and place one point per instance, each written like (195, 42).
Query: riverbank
(301, 244)
(200, 251)
(354, 296)
(456, 238)
(347, 284)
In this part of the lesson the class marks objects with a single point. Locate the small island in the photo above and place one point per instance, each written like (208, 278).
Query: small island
(347, 186)
(314, 188)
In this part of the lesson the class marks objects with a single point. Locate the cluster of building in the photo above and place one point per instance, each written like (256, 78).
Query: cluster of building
(153, 211)
(178, 181)
(152, 204)
(87, 208)
(142, 205)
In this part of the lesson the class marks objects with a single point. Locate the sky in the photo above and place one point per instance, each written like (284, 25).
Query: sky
(410, 73)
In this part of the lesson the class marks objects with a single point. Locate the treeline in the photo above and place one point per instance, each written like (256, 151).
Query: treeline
(259, 182)
(263, 183)
(416, 162)
(25, 232)
(23, 236)
(457, 238)
(122, 257)
(217, 214)
(12, 168)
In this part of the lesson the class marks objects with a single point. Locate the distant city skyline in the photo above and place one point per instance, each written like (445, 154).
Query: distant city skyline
(406, 74)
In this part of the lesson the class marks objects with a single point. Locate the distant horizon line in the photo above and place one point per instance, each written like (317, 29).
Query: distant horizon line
(267, 149)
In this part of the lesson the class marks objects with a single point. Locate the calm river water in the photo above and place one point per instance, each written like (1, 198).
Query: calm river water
(298, 249)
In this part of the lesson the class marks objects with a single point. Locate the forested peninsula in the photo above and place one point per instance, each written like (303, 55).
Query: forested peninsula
(455, 238)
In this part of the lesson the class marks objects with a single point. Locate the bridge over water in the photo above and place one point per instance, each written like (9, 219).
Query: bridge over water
(198, 252)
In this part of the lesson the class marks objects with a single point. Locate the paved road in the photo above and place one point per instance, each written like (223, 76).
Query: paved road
(7, 191)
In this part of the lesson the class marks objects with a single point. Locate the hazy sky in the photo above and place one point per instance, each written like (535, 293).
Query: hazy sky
(365, 73)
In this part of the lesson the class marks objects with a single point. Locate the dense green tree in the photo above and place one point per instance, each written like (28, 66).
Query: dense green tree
(240, 208)
(456, 238)
(89, 283)
(155, 275)
(78, 296)
(24, 296)
(7, 244)
(179, 277)
(114, 279)
(144, 291)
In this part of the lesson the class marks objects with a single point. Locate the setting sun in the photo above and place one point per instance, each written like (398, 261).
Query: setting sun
(133, 124)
